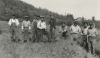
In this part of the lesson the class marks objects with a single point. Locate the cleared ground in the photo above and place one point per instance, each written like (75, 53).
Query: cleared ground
(61, 49)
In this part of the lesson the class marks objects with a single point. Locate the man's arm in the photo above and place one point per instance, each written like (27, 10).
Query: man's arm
(45, 25)
(96, 32)
(38, 25)
(60, 29)
(29, 25)
(17, 22)
(9, 23)
(22, 25)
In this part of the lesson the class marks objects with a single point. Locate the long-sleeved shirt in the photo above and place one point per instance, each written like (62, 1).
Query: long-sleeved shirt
(26, 24)
(41, 25)
(92, 32)
(35, 21)
(52, 23)
(75, 29)
(63, 29)
(15, 21)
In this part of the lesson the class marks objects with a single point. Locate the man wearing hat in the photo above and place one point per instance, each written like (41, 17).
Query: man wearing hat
(26, 26)
(13, 23)
(52, 23)
(75, 31)
(34, 27)
(41, 25)
(92, 34)
(63, 30)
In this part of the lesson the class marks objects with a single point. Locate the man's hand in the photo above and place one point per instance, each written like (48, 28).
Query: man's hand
(53, 28)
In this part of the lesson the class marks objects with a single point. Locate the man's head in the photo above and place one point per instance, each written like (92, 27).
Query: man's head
(42, 18)
(85, 24)
(51, 16)
(63, 23)
(13, 16)
(75, 23)
(37, 17)
(91, 25)
(26, 18)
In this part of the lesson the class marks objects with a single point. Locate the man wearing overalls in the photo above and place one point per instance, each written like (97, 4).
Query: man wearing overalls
(13, 23)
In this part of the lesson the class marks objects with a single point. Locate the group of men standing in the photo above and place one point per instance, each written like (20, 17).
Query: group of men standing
(39, 28)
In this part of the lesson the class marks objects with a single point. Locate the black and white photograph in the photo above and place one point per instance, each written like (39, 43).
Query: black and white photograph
(49, 28)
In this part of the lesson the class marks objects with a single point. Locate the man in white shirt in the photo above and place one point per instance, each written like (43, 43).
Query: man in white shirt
(26, 27)
(13, 23)
(63, 30)
(92, 34)
(75, 31)
(41, 25)
(84, 35)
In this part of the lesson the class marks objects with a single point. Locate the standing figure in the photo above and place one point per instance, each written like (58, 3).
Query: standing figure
(13, 23)
(26, 26)
(52, 23)
(42, 30)
(63, 30)
(75, 32)
(92, 34)
(84, 36)
(34, 28)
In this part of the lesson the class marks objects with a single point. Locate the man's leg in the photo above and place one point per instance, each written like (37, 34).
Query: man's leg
(53, 34)
(90, 45)
(39, 35)
(93, 45)
(47, 35)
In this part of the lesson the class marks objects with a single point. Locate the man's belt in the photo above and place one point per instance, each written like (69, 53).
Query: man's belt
(73, 33)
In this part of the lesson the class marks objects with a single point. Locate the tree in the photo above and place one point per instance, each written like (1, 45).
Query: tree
(93, 19)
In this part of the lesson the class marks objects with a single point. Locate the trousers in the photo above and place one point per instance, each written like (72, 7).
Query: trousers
(40, 33)
(91, 43)
(26, 33)
(14, 32)
(52, 34)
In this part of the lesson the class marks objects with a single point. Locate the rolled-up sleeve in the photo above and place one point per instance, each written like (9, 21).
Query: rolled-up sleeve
(29, 25)
(22, 25)
(9, 23)
(38, 25)
(17, 22)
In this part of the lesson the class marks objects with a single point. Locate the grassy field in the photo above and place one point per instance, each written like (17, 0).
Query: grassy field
(60, 49)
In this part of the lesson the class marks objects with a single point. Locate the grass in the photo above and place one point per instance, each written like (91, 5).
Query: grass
(60, 49)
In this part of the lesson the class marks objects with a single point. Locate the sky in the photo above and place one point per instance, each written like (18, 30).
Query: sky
(79, 8)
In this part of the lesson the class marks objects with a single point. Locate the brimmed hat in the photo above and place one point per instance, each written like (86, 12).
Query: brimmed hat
(75, 22)
(26, 16)
(37, 15)
(41, 16)
(13, 15)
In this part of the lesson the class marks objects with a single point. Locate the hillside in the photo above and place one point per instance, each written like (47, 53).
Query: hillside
(60, 49)
(20, 8)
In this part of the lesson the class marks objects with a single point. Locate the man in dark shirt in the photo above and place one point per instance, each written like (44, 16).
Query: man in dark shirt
(52, 23)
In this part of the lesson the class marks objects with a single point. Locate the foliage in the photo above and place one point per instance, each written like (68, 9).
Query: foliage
(21, 9)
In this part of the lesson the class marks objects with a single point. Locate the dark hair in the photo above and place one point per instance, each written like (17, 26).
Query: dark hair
(75, 22)
(14, 15)
(85, 23)
(63, 22)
